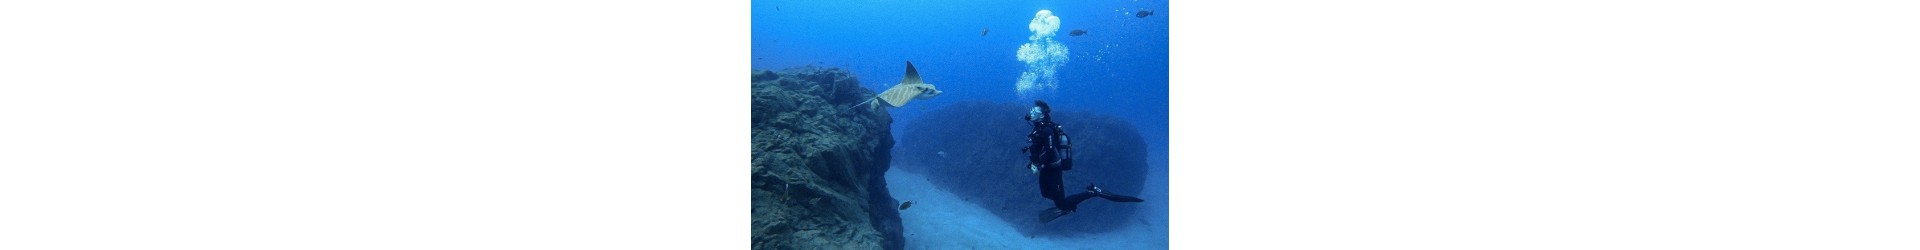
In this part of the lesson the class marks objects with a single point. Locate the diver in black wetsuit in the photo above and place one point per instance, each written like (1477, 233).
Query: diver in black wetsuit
(1049, 154)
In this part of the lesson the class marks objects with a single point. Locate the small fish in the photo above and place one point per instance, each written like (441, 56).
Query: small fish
(786, 191)
(1077, 32)
(983, 31)
(1143, 13)
(904, 205)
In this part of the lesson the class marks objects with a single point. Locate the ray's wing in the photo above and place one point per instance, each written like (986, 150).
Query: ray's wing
(913, 76)
(909, 87)
(899, 95)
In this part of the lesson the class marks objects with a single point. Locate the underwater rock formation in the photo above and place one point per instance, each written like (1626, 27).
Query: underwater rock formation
(819, 167)
(973, 150)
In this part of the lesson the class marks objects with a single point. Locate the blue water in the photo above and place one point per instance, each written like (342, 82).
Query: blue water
(1119, 67)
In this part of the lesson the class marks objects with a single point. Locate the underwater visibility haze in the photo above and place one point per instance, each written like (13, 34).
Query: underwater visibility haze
(899, 124)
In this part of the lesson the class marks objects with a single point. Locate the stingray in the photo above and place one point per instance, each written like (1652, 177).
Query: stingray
(910, 88)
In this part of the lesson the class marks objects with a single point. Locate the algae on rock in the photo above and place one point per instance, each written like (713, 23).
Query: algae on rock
(819, 167)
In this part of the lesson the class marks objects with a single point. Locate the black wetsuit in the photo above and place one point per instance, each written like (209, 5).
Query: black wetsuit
(1049, 150)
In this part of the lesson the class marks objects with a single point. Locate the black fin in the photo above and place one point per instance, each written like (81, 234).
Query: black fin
(1050, 214)
(1120, 198)
(1110, 196)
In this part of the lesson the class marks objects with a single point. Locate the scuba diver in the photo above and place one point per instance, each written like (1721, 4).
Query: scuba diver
(1049, 154)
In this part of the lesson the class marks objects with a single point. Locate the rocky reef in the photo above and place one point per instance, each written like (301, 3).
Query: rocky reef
(973, 150)
(819, 166)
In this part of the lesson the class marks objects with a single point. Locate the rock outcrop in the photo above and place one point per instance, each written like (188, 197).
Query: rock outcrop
(973, 150)
(819, 166)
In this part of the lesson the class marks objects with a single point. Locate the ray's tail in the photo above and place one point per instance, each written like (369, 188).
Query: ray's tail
(869, 103)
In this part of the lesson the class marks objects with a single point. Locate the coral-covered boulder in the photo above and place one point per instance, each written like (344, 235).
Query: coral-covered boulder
(973, 150)
(819, 167)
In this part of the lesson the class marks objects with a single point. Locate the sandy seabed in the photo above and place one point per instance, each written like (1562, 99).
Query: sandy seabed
(941, 220)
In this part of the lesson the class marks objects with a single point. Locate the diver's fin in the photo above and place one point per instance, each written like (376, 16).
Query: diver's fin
(913, 76)
(1110, 196)
(1120, 198)
(1050, 214)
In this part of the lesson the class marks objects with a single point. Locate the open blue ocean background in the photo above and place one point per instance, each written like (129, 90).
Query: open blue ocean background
(1119, 68)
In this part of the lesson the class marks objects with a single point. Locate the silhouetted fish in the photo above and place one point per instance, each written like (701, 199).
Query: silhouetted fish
(904, 205)
(1143, 13)
(1077, 32)
(983, 31)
